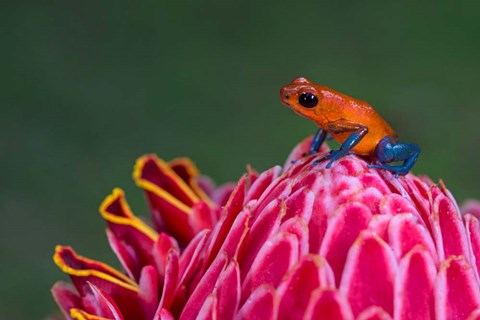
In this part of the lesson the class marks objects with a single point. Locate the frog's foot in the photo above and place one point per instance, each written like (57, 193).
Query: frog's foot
(397, 170)
(333, 156)
(388, 150)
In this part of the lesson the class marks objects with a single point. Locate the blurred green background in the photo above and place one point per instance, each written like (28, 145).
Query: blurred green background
(87, 87)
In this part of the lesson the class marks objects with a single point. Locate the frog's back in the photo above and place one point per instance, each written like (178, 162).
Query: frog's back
(338, 106)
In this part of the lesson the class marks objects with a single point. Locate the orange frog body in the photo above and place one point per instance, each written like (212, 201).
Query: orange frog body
(351, 122)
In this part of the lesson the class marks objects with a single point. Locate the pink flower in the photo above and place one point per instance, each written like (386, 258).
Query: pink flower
(302, 242)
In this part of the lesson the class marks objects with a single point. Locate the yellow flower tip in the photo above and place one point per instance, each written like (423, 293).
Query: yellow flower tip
(78, 314)
(126, 216)
(187, 163)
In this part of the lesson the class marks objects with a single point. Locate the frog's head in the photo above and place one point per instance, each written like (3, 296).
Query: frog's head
(301, 96)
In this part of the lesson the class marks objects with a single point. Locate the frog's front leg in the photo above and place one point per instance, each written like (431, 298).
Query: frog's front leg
(358, 132)
(388, 150)
(346, 147)
(317, 141)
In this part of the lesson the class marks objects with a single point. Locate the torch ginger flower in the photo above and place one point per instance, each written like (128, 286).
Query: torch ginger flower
(302, 242)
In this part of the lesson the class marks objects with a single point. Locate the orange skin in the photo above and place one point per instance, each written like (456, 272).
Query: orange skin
(338, 114)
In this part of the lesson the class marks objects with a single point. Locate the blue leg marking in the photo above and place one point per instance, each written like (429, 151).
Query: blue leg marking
(317, 142)
(346, 146)
(388, 150)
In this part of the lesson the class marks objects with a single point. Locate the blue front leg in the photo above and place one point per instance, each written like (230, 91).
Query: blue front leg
(346, 146)
(317, 142)
(388, 150)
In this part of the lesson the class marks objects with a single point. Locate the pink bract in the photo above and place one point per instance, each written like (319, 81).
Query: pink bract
(298, 242)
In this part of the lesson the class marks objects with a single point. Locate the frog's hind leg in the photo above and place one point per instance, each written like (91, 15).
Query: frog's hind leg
(388, 150)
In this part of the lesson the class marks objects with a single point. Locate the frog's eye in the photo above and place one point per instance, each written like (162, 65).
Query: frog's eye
(308, 100)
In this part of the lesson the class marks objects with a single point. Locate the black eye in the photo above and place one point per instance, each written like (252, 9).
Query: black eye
(308, 100)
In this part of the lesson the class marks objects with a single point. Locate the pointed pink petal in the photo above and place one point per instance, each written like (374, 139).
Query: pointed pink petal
(374, 180)
(228, 291)
(414, 286)
(190, 263)
(236, 236)
(202, 216)
(261, 305)
(148, 285)
(160, 251)
(273, 261)
(472, 207)
(208, 311)
(405, 233)
(317, 226)
(125, 254)
(419, 193)
(298, 227)
(66, 297)
(473, 235)
(449, 221)
(191, 257)
(328, 304)
(102, 305)
(204, 288)
(262, 182)
(300, 204)
(396, 204)
(371, 197)
(163, 314)
(280, 189)
(266, 224)
(233, 207)
(221, 195)
(170, 281)
(475, 315)
(342, 231)
(295, 290)
(379, 225)
(374, 313)
(369, 274)
(457, 291)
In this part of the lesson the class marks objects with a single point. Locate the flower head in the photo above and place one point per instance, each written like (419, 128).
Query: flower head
(299, 242)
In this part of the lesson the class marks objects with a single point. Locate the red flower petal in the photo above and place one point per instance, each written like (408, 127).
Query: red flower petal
(310, 274)
(457, 292)
(118, 286)
(342, 231)
(414, 286)
(266, 224)
(228, 291)
(472, 207)
(261, 305)
(454, 239)
(129, 229)
(328, 304)
(369, 274)
(274, 260)
(170, 197)
(204, 288)
(374, 313)
(473, 234)
(66, 296)
(404, 233)
(101, 304)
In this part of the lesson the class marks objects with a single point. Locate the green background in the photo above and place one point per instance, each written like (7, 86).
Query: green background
(87, 87)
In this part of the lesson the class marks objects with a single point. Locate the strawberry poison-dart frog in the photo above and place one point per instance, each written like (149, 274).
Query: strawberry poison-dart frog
(351, 122)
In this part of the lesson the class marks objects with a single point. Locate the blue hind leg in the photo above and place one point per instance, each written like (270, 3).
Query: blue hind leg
(388, 150)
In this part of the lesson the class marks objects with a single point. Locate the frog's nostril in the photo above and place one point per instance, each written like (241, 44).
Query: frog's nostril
(286, 96)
